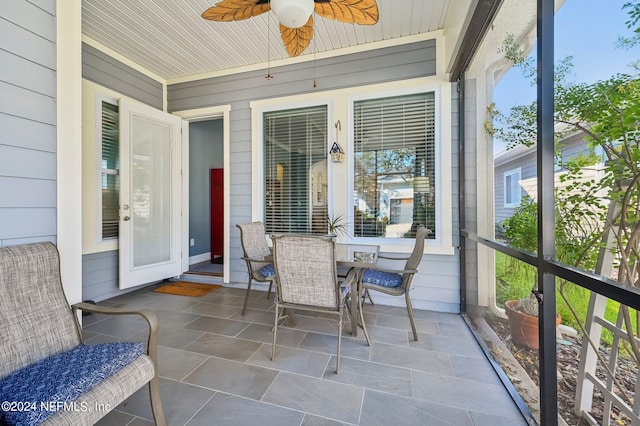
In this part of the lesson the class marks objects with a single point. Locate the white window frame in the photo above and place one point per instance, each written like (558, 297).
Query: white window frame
(257, 159)
(511, 203)
(443, 243)
(339, 107)
(98, 125)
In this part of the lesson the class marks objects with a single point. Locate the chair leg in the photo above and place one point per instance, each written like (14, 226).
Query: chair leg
(410, 311)
(156, 403)
(367, 295)
(361, 315)
(275, 333)
(269, 292)
(246, 296)
(339, 342)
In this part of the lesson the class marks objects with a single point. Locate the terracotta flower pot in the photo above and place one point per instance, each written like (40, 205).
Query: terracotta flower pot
(524, 328)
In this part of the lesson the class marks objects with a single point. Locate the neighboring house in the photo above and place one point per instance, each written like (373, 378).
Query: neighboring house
(59, 87)
(515, 172)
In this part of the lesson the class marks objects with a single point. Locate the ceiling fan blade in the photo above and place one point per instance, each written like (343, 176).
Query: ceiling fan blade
(363, 12)
(296, 40)
(235, 10)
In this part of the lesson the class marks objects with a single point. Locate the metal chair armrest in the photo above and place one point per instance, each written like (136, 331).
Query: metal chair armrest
(381, 256)
(147, 314)
(352, 274)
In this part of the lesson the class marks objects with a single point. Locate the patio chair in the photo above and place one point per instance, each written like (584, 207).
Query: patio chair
(255, 249)
(306, 279)
(46, 371)
(396, 282)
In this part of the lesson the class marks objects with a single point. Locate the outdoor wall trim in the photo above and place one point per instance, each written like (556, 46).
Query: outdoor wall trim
(101, 47)
(198, 114)
(415, 38)
(69, 146)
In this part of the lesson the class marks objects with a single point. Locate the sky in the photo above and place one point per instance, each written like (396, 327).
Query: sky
(588, 31)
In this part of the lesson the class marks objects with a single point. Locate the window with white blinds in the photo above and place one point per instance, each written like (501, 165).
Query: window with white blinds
(295, 170)
(110, 174)
(394, 165)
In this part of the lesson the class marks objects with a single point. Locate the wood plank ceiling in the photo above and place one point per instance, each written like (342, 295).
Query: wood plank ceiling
(170, 39)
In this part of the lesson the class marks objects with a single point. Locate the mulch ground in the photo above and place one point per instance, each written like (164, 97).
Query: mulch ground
(568, 358)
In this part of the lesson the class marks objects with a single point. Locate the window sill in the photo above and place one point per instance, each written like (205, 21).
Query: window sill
(408, 248)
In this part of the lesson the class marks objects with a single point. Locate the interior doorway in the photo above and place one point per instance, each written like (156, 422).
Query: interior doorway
(218, 118)
(206, 197)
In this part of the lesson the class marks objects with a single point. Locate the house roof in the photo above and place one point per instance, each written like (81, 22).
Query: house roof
(513, 154)
(170, 39)
(569, 135)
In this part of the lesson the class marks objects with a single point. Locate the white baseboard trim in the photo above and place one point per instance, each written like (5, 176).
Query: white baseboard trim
(199, 258)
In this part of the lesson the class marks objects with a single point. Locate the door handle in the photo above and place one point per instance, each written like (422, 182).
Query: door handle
(125, 208)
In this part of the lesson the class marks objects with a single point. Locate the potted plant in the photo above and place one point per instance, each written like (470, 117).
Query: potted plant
(523, 321)
(337, 225)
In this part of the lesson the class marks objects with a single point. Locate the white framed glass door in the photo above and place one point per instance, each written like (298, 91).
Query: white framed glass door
(150, 195)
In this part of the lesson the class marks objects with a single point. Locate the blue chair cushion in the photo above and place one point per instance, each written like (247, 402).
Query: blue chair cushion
(60, 379)
(268, 270)
(381, 278)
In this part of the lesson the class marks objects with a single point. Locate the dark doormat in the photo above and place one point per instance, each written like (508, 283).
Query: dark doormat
(218, 260)
(185, 288)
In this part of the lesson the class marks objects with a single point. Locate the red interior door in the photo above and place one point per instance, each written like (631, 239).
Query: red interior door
(217, 212)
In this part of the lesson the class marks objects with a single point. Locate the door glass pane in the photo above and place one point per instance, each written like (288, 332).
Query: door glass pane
(151, 192)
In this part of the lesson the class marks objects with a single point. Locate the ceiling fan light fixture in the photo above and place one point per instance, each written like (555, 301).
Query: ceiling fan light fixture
(292, 13)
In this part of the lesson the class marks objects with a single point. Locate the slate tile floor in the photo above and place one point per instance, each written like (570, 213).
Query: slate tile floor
(216, 369)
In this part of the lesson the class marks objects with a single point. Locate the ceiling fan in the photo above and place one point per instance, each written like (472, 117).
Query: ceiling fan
(295, 16)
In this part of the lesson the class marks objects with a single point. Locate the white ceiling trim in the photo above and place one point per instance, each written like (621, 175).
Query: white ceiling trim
(101, 47)
(308, 58)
